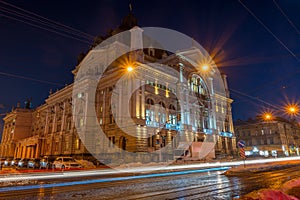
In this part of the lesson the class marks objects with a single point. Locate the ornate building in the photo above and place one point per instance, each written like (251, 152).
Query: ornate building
(178, 109)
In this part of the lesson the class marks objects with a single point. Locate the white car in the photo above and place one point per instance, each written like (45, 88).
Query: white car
(65, 163)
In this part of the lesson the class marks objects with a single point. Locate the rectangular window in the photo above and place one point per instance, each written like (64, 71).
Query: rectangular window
(67, 145)
(77, 144)
(172, 119)
(50, 129)
(156, 89)
(111, 119)
(56, 146)
(150, 117)
(111, 141)
(81, 122)
(58, 128)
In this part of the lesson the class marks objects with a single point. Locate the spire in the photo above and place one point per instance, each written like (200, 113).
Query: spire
(130, 7)
(129, 21)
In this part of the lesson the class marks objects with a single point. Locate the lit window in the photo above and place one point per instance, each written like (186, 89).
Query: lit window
(77, 144)
(150, 117)
(81, 122)
(156, 89)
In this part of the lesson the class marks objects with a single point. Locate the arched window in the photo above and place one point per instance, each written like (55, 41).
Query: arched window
(172, 107)
(150, 101)
(197, 85)
(162, 104)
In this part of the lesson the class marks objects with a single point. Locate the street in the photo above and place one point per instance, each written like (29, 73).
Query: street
(189, 184)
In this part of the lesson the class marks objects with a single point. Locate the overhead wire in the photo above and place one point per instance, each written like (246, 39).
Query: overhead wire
(282, 43)
(286, 17)
(255, 98)
(47, 29)
(48, 21)
(38, 23)
(28, 78)
(68, 32)
(285, 46)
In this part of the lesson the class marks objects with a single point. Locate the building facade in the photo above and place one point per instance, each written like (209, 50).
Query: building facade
(276, 137)
(178, 109)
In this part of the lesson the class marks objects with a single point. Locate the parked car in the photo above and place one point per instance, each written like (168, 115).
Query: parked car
(34, 163)
(65, 163)
(7, 162)
(15, 162)
(23, 162)
(46, 162)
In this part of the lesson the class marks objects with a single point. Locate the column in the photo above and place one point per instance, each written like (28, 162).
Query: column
(143, 100)
(137, 99)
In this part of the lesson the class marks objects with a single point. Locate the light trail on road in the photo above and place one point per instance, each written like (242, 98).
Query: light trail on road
(143, 169)
(204, 185)
(92, 181)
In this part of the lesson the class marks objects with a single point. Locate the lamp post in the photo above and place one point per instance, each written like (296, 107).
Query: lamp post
(268, 117)
(292, 110)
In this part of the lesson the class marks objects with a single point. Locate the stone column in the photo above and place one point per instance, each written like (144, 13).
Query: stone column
(137, 99)
(143, 100)
(137, 43)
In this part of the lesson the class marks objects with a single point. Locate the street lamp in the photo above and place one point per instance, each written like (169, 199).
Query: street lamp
(205, 67)
(129, 68)
(267, 116)
(292, 109)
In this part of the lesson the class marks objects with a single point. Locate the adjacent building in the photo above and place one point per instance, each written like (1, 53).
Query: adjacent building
(165, 106)
(274, 137)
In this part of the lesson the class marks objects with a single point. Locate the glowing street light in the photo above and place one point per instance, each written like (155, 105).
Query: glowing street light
(292, 110)
(205, 67)
(129, 68)
(267, 116)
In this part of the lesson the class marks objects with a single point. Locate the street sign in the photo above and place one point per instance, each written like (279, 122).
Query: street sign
(241, 144)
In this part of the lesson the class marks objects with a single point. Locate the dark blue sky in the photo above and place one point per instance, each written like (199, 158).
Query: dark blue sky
(256, 63)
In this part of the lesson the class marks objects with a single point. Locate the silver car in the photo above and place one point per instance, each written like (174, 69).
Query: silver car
(65, 163)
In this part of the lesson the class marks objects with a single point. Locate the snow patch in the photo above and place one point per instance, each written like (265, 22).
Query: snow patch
(268, 194)
(245, 170)
(290, 184)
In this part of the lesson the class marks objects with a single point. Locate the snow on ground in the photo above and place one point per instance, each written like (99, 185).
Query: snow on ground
(288, 191)
(292, 187)
(290, 184)
(268, 194)
(253, 168)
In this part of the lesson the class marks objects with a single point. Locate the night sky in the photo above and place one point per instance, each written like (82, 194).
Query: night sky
(259, 52)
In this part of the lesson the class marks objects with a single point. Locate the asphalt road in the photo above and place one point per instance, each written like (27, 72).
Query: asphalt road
(194, 185)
